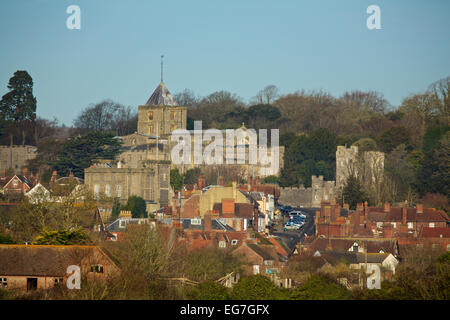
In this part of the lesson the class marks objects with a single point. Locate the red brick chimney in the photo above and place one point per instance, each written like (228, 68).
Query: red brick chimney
(201, 181)
(207, 222)
(333, 211)
(387, 207)
(221, 181)
(419, 208)
(404, 212)
(71, 174)
(228, 206)
(388, 231)
(327, 213)
(25, 172)
(366, 211)
(255, 218)
(54, 175)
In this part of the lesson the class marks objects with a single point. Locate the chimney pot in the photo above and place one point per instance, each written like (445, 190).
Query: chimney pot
(419, 208)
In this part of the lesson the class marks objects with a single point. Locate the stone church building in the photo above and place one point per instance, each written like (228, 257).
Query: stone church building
(143, 166)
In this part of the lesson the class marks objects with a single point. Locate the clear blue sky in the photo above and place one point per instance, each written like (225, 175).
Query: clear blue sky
(234, 45)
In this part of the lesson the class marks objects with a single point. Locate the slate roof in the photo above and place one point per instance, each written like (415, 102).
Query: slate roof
(68, 180)
(161, 97)
(215, 225)
(261, 251)
(334, 257)
(342, 245)
(115, 226)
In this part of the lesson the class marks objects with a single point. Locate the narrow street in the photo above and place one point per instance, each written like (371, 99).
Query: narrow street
(291, 238)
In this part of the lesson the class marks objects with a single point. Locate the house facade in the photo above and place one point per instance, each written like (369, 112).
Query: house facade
(35, 267)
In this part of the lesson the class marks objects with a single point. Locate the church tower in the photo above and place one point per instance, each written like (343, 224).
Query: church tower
(161, 114)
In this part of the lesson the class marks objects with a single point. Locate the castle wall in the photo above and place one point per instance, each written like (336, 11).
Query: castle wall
(16, 157)
(296, 197)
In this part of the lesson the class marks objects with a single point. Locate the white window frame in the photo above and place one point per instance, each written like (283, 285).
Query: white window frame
(107, 190)
(431, 224)
(234, 242)
(256, 269)
(119, 190)
(222, 244)
(410, 225)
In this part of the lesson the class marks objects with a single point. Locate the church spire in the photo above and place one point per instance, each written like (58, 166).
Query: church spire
(162, 56)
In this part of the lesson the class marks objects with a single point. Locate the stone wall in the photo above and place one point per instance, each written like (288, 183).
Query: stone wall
(308, 197)
(296, 197)
(16, 157)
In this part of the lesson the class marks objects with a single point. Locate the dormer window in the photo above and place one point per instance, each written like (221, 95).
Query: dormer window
(98, 268)
(234, 242)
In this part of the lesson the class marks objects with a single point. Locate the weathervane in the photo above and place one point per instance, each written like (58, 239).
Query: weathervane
(162, 56)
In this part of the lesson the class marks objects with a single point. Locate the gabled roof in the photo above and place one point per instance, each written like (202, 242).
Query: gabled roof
(42, 260)
(261, 251)
(23, 179)
(343, 245)
(161, 97)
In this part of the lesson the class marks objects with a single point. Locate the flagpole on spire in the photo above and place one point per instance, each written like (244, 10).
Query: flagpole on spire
(162, 56)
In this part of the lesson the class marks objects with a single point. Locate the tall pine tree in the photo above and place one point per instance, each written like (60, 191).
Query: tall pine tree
(18, 106)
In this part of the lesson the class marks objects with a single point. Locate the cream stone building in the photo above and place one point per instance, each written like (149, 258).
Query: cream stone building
(143, 166)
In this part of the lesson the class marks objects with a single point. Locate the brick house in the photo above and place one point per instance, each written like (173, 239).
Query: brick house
(382, 222)
(18, 184)
(33, 267)
(263, 259)
(357, 245)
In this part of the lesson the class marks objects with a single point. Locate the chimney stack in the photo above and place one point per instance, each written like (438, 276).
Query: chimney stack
(201, 182)
(419, 208)
(207, 222)
(54, 174)
(228, 206)
(404, 212)
(366, 210)
(387, 207)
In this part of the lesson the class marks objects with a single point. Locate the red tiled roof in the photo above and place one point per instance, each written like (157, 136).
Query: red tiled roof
(395, 215)
(435, 232)
(244, 210)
